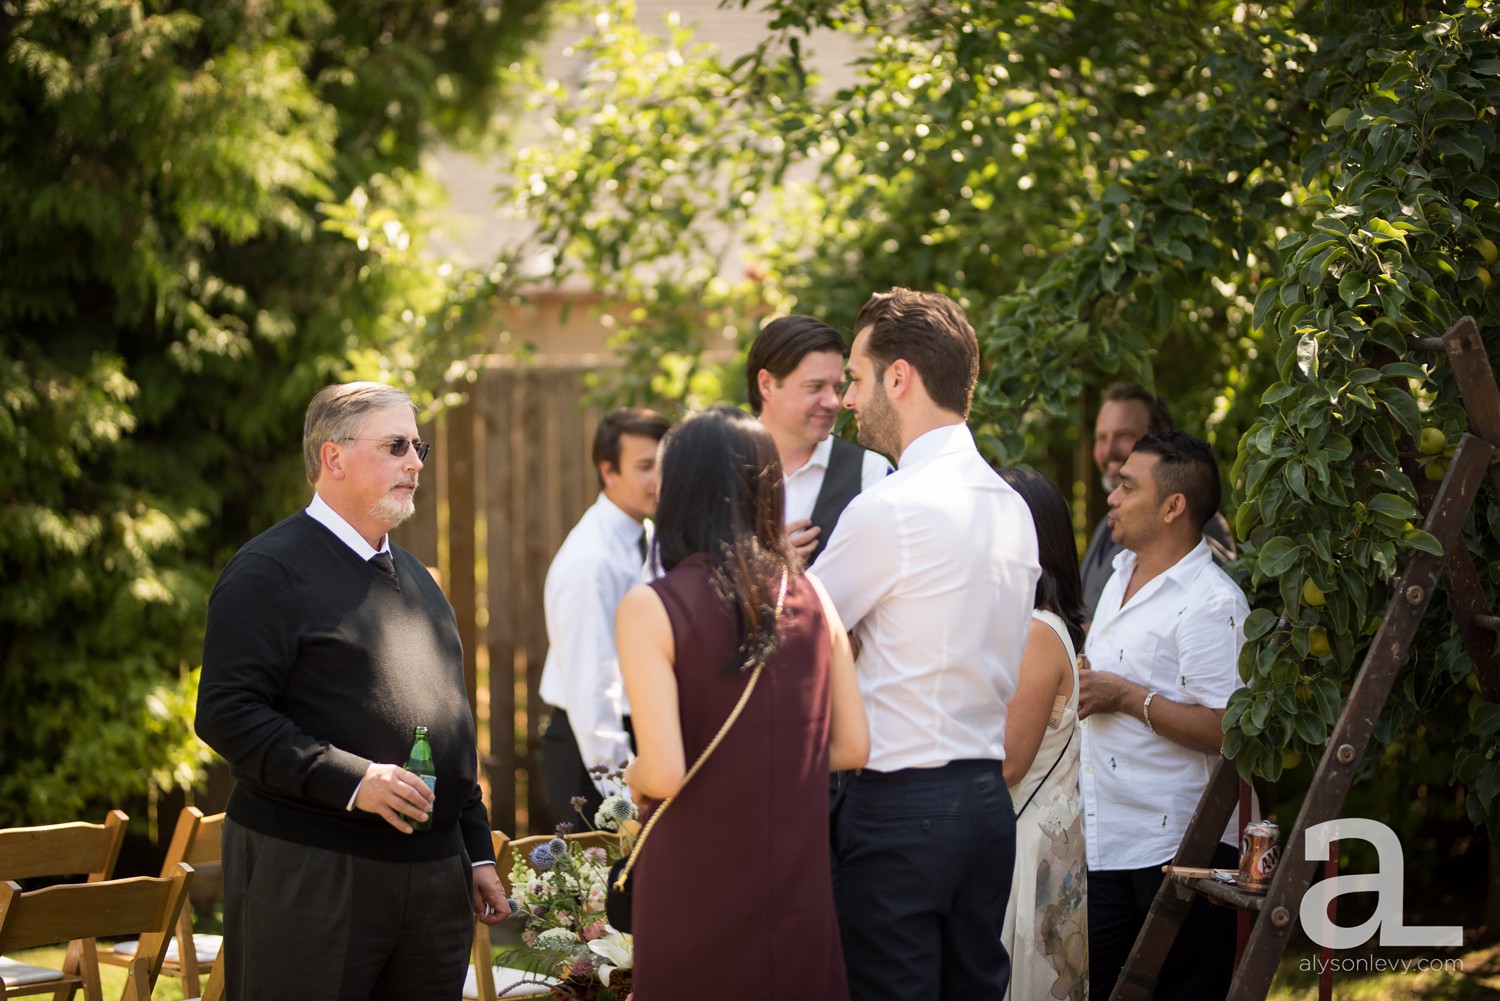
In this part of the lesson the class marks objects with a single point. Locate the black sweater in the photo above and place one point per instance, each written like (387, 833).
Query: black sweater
(315, 664)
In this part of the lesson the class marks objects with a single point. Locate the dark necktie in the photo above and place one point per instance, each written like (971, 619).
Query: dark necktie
(384, 563)
(640, 544)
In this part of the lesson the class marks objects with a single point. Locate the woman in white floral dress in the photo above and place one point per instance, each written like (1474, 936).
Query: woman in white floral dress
(1046, 924)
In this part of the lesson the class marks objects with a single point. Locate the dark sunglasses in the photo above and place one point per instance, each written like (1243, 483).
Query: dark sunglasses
(398, 446)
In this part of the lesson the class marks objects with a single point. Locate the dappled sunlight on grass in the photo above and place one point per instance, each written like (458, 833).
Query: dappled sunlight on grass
(111, 978)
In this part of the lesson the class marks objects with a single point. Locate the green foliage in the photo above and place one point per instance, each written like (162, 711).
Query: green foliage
(650, 165)
(209, 210)
(1248, 206)
(1329, 472)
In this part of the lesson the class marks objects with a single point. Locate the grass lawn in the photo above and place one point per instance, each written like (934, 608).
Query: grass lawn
(111, 978)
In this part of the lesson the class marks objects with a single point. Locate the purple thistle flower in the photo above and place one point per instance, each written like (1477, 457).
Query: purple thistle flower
(541, 858)
(559, 847)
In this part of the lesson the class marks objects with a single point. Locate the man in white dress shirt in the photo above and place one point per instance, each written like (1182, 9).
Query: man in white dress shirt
(1163, 653)
(599, 561)
(792, 376)
(933, 570)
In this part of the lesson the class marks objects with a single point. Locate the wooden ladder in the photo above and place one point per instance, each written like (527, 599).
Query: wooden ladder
(1275, 915)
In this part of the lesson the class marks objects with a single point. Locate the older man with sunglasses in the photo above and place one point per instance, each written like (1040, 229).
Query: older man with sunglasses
(325, 647)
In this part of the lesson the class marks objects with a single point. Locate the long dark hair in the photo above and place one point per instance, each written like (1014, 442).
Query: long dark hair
(1060, 589)
(721, 494)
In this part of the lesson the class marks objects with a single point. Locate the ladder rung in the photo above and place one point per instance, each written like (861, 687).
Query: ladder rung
(1222, 893)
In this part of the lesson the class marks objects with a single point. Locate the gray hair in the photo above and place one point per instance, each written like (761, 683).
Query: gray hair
(337, 414)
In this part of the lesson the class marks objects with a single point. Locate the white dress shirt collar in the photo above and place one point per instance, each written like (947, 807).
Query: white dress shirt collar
(817, 460)
(323, 514)
(1180, 574)
(617, 522)
(820, 453)
(931, 444)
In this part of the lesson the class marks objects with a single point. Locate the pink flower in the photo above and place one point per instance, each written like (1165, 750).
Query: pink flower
(594, 855)
(593, 931)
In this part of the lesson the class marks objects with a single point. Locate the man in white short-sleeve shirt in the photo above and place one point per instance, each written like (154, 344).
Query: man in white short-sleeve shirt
(1163, 653)
(792, 375)
(933, 570)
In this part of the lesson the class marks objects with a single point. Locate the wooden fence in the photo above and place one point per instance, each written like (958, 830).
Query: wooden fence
(508, 476)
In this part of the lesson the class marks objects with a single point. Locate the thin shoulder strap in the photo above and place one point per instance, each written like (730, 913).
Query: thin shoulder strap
(1039, 785)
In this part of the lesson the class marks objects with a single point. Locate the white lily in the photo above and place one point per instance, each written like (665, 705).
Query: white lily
(617, 949)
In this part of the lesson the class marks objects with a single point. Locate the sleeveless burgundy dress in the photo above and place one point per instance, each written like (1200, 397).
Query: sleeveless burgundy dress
(733, 893)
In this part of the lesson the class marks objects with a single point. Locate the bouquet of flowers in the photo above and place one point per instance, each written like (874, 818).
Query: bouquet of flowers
(559, 888)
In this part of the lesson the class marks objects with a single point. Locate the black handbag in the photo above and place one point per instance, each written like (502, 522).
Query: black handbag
(618, 893)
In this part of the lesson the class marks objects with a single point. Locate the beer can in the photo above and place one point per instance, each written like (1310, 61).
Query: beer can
(1260, 850)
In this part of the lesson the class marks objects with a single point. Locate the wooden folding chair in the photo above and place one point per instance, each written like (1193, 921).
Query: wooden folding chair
(146, 906)
(59, 850)
(214, 991)
(196, 840)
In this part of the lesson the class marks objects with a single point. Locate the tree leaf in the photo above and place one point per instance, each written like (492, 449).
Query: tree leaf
(1278, 556)
(1258, 623)
(1486, 719)
(1353, 287)
(1383, 232)
(1404, 408)
(1393, 506)
(1311, 728)
(1422, 541)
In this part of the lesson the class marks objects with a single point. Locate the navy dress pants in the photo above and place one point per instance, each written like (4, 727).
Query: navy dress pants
(922, 861)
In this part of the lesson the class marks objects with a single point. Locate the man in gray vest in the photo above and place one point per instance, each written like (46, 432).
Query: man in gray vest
(793, 374)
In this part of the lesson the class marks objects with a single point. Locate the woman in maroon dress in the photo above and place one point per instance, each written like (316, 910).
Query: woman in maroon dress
(733, 895)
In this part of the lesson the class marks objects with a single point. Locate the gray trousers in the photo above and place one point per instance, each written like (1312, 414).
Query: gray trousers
(319, 925)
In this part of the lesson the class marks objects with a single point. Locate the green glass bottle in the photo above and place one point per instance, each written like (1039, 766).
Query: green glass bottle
(419, 762)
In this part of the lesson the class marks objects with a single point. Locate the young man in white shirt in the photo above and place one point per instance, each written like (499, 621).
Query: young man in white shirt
(792, 376)
(1164, 652)
(598, 562)
(933, 570)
